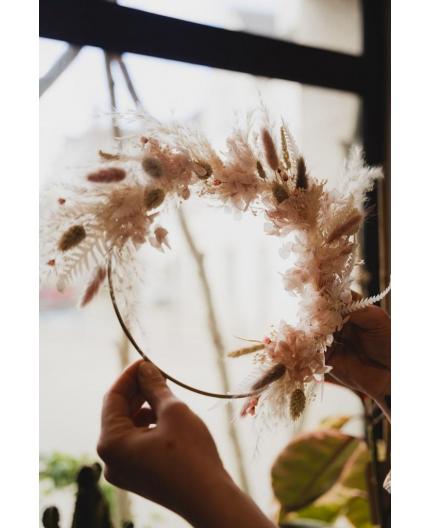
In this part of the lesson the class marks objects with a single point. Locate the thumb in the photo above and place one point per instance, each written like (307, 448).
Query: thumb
(153, 385)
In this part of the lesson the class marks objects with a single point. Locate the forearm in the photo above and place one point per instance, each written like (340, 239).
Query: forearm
(226, 506)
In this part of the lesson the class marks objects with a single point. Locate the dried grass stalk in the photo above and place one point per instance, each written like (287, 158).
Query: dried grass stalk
(153, 198)
(94, 286)
(202, 169)
(285, 152)
(261, 171)
(347, 228)
(107, 175)
(269, 149)
(273, 374)
(279, 192)
(297, 403)
(246, 350)
(108, 156)
(302, 177)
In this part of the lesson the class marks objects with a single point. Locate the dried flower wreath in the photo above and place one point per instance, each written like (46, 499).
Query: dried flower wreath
(101, 224)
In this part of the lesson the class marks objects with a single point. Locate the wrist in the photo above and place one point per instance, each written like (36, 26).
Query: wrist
(220, 502)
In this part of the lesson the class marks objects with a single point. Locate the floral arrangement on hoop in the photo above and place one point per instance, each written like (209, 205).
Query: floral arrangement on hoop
(116, 208)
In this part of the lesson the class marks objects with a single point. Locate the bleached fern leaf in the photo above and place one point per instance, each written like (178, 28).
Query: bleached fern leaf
(364, 303)
(90, 253)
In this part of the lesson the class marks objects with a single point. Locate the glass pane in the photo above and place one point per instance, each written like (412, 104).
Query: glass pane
(81, 351)
(331, 24)
(52, 50)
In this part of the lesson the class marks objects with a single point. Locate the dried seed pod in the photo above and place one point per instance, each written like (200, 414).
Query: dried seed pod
(269, 149)
(347, 228)
(107, 175)
(153, 198)
(72, 237)
(273, 374)
(297, 403)
(108, 156)
(302, 177)
(279, 192)
(261, 171)
(153, 167)
(202, 169)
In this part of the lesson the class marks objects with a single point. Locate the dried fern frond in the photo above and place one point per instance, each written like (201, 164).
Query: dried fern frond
(90, 253)
(364, 303)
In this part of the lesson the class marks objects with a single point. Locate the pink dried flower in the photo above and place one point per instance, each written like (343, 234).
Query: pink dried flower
(250, 407)
(123, 215)
(159, 239)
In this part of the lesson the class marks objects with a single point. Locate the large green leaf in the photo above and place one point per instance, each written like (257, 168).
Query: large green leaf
(309, 466)
(327, 511)
(355, 470)
(303, 524)
(357, 511)
(334, 422)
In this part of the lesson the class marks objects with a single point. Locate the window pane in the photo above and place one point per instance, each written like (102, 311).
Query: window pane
(331, 24)
(80, 350)
(52, 50)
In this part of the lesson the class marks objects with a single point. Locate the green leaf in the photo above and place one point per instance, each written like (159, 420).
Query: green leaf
(334, 422)
(60, 469)
(357, 511)
(322, 512)
(309, 466)
(303, 524)
(355, 470)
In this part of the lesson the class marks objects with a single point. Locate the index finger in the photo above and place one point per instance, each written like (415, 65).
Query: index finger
(117, 402)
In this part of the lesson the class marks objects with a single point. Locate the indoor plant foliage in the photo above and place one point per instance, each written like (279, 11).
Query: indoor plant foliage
(117, 206)
(323, 475)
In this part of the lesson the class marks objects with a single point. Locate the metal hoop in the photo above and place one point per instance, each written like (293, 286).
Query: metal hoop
(146, 358)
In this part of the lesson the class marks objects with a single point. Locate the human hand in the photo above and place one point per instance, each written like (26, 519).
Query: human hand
(361, 355)
(155, 446)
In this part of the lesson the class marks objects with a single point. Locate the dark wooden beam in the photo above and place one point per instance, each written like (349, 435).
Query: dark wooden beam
(376, 103)
(120, 29)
